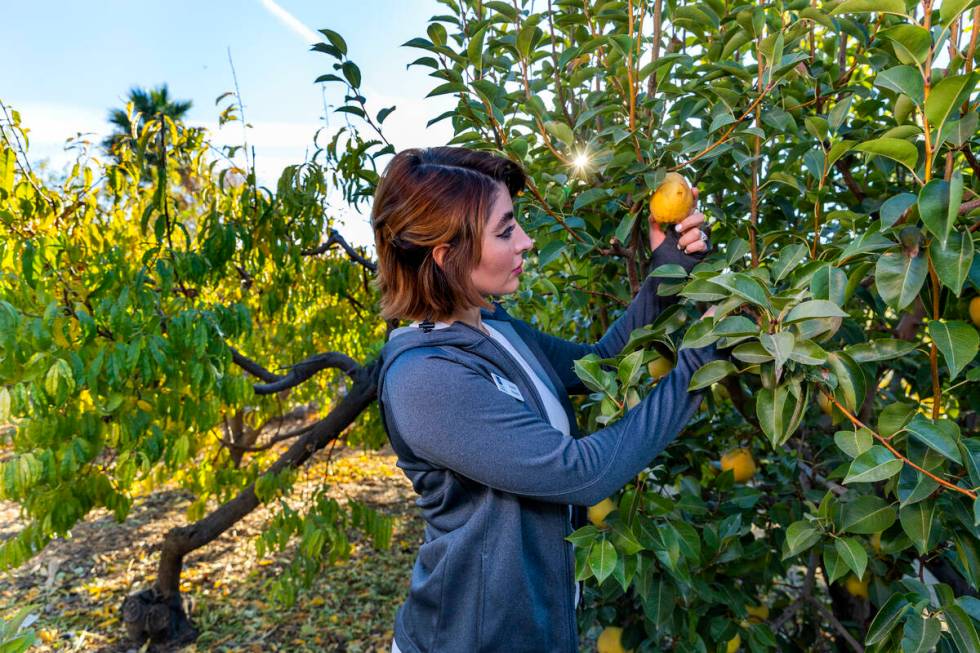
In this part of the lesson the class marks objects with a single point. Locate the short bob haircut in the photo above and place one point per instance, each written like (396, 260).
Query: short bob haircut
(425, 198)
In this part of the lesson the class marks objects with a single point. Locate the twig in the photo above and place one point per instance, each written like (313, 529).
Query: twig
(724, 137)
(858, 423)
(838, 626)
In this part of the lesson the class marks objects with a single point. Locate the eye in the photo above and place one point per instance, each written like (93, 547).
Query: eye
(507, 232)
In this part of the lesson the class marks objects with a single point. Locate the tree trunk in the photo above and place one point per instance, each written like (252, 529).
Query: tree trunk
(157, 613)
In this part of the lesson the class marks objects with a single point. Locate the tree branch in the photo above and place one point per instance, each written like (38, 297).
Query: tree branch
(298, 372)
(336, 239)
(838, 626)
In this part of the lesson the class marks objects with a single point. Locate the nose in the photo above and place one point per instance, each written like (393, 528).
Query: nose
(525, 242)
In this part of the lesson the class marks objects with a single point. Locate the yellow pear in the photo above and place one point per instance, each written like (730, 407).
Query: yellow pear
(741, 463)
(975, 311)
(824, 402)
(734, 643)
(758, 613)
(856, 587)
(597, 513)
(672, 201)
(876, 542)
(611, 640)
(659, 367)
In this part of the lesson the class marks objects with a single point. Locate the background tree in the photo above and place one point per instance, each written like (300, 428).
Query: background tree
(834, 152)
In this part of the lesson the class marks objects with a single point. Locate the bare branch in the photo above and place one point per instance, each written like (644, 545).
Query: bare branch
(838, 626)
(336, 239)
(298, 372)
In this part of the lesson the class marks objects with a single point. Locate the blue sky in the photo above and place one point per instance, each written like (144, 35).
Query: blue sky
(67, 63)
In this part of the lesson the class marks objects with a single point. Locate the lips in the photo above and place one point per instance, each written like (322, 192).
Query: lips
(518, 269)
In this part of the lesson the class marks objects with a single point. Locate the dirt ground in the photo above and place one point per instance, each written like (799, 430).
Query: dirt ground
(76, 586)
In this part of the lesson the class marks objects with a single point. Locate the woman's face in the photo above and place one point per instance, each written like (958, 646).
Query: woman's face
(504, 244)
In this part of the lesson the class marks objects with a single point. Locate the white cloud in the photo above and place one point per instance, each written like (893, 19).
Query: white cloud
(290, 21)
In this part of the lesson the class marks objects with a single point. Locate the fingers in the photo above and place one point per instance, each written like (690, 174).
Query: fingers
(692, 221)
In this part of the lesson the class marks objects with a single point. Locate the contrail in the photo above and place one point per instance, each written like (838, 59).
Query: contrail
(291, 22)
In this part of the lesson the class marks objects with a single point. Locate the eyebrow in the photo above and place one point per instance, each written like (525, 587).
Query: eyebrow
(505, 218)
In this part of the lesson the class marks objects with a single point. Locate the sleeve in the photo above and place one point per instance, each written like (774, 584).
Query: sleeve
(489, 437)
(643, 310)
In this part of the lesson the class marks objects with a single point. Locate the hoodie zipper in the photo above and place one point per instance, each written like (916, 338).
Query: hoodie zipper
(569, 594)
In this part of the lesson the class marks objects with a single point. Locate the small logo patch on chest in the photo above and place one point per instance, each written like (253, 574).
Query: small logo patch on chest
(507, 387)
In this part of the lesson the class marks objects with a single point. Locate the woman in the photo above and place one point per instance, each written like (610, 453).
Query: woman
(475, 404)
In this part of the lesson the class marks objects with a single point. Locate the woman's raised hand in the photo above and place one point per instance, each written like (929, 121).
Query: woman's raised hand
(689, 232)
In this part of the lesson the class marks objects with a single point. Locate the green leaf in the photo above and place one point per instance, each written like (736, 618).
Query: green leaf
(887, 618)
(711, 373)
(602, 560)
(669, 271)
(911, 42)
(853, 443)
(778, 412)
(961, 629)
(869, 6)
(850, 380)
(702, 290)
(950, 10)
(950, 92)
(751, 352)
(658, 603)
(699, 335)
(561, 131)
(899, 277)
(893, 148)
(590, 371)
(744, 286)
(875, 464)
(920, 634)
(789, 258)
(952, 261)
(941, 436)
(893, 208)
(808, 352)
(829, 283)
(590, 196)
(4, 405)
(800, 536)
(335, 39)
(817, 308)
(835, 566)
(913, 486)
(631, 367)
(957, 341)
(882, 349)
(906, 80)
(780, 345)
(352, 73)
(934, 208)
(474, 49)
(893, 418)
(867, 515)
(736, 325)
(917, 523)
(853, 554)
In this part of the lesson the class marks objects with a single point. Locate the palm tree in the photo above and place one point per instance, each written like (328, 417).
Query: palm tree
(147, 105)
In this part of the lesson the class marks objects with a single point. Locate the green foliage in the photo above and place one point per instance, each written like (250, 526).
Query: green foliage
(123, 287)
(834, 158)
(818, 137)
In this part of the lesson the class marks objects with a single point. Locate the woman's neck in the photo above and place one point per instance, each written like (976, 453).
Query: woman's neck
(470, 316)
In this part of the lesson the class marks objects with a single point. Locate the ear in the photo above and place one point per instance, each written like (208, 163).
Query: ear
(439, 253)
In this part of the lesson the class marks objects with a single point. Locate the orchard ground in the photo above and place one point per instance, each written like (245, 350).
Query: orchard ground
(77, 585)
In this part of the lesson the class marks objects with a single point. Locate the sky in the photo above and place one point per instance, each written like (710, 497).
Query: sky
(68, 62)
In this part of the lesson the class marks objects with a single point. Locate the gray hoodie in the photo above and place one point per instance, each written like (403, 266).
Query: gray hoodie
(495, 479)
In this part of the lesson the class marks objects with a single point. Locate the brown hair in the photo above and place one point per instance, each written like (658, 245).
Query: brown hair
(425, 198)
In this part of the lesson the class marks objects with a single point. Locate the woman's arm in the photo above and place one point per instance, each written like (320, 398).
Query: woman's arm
(492, 438)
